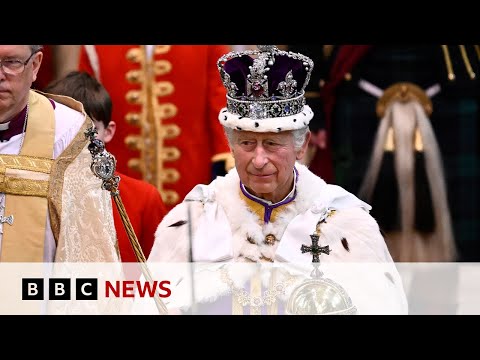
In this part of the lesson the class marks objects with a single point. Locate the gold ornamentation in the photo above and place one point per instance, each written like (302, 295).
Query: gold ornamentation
(169, 197)
(448, 63)
(323, 218)
(166, 111)
(134, 142)
(58, 176)
(404, 92)
(133, 118)
(477, 50)
(162, 49)
(327, 51)
(244, 298)
(134, 55)
(320, 296)
(28, 187)
(169, 153)
(164, 88)
(25, 162)
(169, 131)
(136, 165)
(270, 239)
(134, 97)
(466, 61)
(134, 77)
(162, 67)
(227, 157)
(170, 175)
(313, 94)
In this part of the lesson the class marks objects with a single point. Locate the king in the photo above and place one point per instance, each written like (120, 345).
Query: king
(266, 205)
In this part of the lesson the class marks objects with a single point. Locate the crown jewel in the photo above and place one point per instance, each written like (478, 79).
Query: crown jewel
(265, 83)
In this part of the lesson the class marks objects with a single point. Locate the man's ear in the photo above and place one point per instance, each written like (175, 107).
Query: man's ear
(36, 62)
(301, 152)
(109, 132)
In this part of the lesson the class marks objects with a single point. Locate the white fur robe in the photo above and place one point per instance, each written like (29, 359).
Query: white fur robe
(217, 222)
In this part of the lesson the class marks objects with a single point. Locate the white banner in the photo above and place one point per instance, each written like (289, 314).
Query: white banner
(239, 288)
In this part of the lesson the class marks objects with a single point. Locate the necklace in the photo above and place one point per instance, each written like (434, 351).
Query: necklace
(244, 298)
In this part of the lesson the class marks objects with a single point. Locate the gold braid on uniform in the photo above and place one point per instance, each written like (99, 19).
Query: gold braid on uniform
(466, 61)
(448, 62)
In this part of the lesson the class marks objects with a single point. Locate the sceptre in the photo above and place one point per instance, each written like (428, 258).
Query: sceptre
(103, 166)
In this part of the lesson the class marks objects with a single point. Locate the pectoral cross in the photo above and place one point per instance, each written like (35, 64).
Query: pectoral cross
(316, 250)
(8, 219)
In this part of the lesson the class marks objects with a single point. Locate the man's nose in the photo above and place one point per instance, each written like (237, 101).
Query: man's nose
(2, 73)
(260, 157)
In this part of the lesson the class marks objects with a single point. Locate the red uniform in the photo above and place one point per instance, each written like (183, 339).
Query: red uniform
(168, 131)
(145, 209)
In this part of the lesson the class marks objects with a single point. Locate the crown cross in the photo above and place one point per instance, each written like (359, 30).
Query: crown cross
(229, 85)
(266, 48)
(257, 85)
(289, 86)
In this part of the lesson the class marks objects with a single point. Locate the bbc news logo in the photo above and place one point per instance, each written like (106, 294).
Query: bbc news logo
(87, 289)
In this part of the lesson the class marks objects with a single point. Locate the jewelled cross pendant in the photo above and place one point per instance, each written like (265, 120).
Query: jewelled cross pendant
(316, 250)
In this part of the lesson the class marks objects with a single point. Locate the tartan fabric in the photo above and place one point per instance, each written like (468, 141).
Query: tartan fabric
(455, 120)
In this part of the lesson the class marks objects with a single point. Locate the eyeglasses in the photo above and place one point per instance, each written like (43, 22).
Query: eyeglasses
(14, 66)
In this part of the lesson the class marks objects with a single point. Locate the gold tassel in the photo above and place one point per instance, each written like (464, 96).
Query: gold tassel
(418, 143)
(463, 51)
(477, 50)
(389, 143)
(327, 50)
(448, 62)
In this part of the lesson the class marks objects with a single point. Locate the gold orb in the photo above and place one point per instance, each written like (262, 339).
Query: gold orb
(321, 296)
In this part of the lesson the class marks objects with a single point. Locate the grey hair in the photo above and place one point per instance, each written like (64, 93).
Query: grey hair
(36, 48)
(229, 135)
(299, 136)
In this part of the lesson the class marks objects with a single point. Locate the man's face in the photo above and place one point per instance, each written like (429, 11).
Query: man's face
(14, 88)
(265, 161)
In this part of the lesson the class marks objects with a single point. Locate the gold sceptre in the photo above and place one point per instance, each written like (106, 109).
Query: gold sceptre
(103, 166)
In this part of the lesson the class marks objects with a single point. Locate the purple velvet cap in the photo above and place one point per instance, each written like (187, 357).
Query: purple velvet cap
(239, 68)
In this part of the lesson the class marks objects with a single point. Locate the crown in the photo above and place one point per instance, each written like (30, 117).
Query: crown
(265, 89)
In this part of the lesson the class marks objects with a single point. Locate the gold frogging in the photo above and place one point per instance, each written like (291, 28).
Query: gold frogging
(155, 157)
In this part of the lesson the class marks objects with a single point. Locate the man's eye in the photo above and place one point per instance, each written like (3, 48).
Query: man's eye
(11, 63)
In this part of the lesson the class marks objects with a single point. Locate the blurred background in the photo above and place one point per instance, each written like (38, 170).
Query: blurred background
(396, 125)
